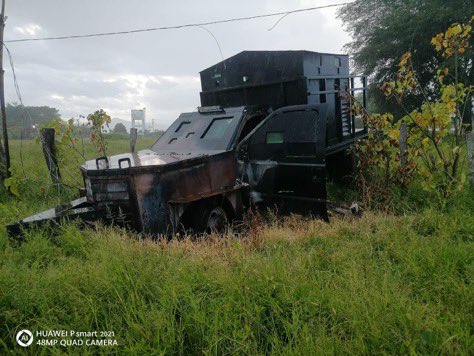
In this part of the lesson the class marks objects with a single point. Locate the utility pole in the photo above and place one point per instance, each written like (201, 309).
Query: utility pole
(6, 149)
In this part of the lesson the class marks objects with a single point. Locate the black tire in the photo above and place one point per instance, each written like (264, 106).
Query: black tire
(217, 220)
(209, 218)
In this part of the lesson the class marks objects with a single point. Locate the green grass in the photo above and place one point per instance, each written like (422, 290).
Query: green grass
(379, 284)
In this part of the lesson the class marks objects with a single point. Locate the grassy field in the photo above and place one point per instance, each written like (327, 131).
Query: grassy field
(379, 284)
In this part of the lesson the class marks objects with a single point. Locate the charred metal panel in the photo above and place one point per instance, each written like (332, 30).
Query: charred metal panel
(151, 203)
(215, 173)
(119, 165)
(107, 189)
(184, 183)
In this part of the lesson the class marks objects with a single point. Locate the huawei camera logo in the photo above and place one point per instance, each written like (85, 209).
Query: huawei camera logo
(24, 338)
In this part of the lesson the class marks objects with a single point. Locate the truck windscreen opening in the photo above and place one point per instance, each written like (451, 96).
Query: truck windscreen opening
(217, 128)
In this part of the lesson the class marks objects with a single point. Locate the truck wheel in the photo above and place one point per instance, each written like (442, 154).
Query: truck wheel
(207, 218)
(216, 220)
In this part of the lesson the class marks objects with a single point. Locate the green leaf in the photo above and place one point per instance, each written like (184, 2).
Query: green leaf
(12, 185)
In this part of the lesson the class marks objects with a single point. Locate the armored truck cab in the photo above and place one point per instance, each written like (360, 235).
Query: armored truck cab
(209, 164)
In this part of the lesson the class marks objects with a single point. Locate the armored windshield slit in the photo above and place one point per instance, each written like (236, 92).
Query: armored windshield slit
(184, 123)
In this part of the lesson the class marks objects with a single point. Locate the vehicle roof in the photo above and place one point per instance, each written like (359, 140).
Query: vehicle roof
(201, 132)
(286, 54)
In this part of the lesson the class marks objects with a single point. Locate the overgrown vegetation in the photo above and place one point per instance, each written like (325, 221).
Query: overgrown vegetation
(381, 284)
(432, 152)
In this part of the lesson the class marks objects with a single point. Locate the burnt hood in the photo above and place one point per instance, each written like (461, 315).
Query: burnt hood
(141, 159)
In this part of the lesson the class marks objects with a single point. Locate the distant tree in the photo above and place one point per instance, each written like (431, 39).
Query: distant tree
(20, 119)
(38, 114)
(120, 128)
(383, 30)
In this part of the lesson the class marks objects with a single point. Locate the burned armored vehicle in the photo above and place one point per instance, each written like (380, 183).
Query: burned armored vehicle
(272, 125)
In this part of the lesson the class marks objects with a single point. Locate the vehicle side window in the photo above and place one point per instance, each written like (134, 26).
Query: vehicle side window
(274, 137)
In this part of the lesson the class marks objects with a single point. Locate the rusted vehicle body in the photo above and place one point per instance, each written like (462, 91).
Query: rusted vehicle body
(272, 126)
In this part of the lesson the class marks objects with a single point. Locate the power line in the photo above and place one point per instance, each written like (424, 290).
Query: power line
(200, 24)
(16, 85)
(15, 82)
(25, 110)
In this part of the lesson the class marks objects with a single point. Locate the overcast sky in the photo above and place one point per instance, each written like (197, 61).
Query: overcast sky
(157, 70)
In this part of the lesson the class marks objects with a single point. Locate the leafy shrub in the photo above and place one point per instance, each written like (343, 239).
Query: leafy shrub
(431, 149)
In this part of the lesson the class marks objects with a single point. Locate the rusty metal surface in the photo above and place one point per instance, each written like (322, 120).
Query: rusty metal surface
(152, 191)
(144, 158)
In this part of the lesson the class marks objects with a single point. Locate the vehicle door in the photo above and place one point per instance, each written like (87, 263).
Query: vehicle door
(283, 158)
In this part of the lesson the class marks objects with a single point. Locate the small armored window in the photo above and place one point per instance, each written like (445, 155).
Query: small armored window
(174, 139)
(322, 88)
(274, 137)
(217, 128)
(184, 123)
(216, 77)
(322, 84)
(338, 61)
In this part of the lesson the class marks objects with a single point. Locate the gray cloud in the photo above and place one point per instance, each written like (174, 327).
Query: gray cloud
(158, 70)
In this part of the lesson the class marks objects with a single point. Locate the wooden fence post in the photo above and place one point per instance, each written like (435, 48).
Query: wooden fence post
(133, 139)
(49, 150)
